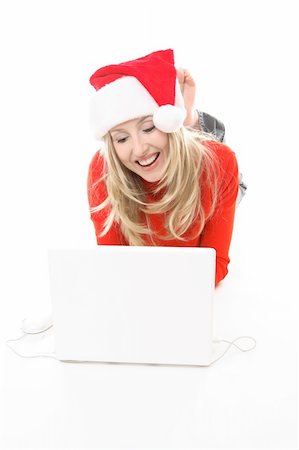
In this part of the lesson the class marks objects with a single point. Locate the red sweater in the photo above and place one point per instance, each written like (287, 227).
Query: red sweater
(218, 229)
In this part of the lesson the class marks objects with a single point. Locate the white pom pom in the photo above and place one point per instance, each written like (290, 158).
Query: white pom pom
(169, 118)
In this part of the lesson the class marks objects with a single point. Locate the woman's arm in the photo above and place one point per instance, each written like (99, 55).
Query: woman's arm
(194, 118)
(218, 230)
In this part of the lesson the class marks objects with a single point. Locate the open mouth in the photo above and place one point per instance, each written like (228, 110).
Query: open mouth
(149, 161)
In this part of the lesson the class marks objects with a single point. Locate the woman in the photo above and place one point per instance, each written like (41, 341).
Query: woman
(159, 179)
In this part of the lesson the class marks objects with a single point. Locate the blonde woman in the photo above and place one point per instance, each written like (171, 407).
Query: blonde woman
(159, 178)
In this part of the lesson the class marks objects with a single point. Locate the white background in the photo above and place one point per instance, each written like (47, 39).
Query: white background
(244, 56)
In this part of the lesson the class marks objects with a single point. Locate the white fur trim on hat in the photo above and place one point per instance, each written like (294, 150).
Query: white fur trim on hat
(126, 99)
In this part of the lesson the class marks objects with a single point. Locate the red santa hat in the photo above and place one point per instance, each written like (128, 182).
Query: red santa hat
(132, 89)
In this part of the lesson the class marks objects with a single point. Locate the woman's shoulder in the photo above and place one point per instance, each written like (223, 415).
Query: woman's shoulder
(223, 155)
(226, 171)
(95, 182)
(220, 149)
(96, 165)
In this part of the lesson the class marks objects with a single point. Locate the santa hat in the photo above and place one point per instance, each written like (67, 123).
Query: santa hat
(141, 87)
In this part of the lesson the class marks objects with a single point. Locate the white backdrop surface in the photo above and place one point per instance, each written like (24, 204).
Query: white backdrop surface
(244, 56)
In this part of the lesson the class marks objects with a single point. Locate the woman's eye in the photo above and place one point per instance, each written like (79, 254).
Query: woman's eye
(120, 141)
(148, 130)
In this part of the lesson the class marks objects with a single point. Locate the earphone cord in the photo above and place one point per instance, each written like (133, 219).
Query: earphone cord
(37, 355)
(231, 343)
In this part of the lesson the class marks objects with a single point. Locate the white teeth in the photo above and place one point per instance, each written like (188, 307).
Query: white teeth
(146, 162)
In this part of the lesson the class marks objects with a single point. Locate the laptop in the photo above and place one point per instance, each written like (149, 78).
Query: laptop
(147, 305)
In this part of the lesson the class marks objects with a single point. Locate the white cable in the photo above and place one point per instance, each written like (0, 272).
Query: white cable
(51, 355)
(233, 343)
(37, 355)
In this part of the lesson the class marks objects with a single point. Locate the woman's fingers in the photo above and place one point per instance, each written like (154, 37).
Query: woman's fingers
(185, 78)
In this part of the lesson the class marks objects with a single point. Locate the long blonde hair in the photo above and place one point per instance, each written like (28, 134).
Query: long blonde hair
(178, 194)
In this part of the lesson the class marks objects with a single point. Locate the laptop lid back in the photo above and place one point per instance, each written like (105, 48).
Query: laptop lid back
(133, 304)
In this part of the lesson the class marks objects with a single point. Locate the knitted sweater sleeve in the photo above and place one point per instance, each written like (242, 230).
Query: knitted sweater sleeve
(218, 230)
(97, 193)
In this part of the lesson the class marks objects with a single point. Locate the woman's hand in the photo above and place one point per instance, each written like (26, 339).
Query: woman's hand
(188, 89)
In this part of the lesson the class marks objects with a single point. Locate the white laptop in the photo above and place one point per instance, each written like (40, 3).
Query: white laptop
(133, 304)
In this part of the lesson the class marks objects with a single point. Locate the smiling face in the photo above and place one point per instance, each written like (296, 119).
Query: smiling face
(141, 147)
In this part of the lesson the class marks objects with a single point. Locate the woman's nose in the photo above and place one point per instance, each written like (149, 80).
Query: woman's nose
(139, 146)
